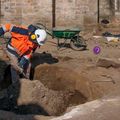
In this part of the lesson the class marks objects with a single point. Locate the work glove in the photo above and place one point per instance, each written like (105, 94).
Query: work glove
(23, 63)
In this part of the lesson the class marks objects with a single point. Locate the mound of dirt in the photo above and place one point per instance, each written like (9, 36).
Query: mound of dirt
(50, 102)
(32, 97)
(107, 62)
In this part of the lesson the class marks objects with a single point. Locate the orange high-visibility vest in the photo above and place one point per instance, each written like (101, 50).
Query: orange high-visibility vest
(20, 39)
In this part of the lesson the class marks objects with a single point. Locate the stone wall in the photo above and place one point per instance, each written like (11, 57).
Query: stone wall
(76, 12)
(68, 12)
(106, 8)
(34, 11)
(26, 11)
(11, 11)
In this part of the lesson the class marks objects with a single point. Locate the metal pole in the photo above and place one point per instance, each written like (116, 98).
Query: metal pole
(98, 6)
(53, 13)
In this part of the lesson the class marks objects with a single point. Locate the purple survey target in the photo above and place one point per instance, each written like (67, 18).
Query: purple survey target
(96, 49)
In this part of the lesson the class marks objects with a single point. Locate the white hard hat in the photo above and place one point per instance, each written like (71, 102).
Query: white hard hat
(41, 36)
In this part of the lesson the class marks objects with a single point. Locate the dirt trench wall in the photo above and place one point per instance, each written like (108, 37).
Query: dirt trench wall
(3, 65)
(60, 78)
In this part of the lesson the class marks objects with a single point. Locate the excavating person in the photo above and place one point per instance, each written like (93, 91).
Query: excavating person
(22, 44)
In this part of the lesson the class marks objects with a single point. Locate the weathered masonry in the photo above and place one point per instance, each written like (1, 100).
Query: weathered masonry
(58, 12)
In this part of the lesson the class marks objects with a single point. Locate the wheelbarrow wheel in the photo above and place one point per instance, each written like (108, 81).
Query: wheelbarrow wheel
(78, 43)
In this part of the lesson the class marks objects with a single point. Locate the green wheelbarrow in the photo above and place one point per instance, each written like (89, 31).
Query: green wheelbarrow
(76, 41)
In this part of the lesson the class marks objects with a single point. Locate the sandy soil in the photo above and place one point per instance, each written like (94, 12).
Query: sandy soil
(84, 62)
(69, 70)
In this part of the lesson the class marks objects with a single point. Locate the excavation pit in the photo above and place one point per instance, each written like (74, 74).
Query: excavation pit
(53, 89)
(68, 87)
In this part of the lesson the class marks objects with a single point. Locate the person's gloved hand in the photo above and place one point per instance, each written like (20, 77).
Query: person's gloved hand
(23, 62)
